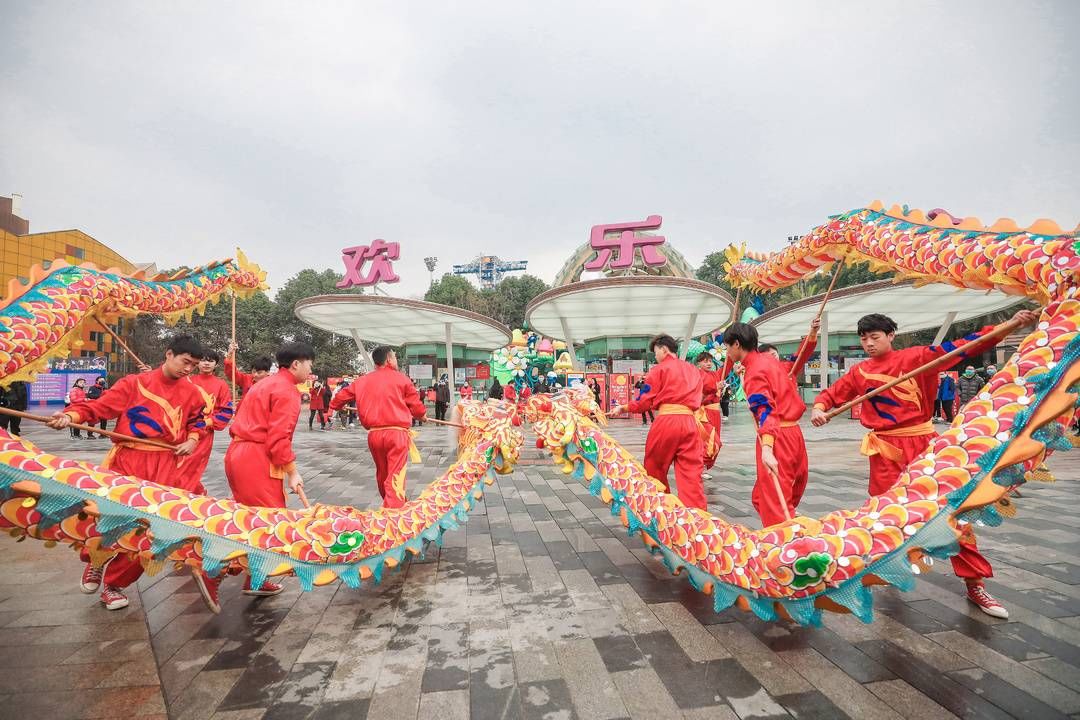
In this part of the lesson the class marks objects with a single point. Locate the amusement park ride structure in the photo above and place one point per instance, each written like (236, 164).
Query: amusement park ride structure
(490, 269)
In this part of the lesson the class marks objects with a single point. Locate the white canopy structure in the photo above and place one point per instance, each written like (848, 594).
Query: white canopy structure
(398, 321)
(913, 308)
(629, 306)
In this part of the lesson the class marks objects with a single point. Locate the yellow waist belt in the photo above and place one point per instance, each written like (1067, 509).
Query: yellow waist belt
(414, 454)
(712, 406)
(873, 442)
(705, 429)
(111, 455)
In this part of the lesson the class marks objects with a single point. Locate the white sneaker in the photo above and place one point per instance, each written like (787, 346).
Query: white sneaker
(706, 476)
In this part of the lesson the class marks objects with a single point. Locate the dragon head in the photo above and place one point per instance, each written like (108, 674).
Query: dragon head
(491, 433)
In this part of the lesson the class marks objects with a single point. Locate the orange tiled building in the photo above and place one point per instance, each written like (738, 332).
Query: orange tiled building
(20, 249)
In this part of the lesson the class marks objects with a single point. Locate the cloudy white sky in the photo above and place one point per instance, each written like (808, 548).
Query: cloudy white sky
(175, 131)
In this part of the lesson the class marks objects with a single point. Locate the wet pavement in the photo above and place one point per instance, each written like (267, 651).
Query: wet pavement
(541, 607)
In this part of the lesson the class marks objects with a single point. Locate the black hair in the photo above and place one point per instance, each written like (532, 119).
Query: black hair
(766, 347)
(380, 354)
(876, 323)
(742, 333)
(262, 363)
(664, 341)
(702, 356)
(185, 345)
(290, 352)
(211, 355)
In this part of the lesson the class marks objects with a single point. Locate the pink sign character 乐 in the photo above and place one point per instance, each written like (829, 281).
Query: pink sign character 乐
(626, 242)
(380, 253)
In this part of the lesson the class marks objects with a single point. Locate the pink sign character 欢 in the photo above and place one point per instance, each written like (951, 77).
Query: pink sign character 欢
(627, 241)
(380, 253)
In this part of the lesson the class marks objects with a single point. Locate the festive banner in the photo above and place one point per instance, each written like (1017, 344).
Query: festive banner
(619, 390)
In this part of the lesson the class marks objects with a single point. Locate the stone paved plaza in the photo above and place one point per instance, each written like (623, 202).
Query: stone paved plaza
(542, 607)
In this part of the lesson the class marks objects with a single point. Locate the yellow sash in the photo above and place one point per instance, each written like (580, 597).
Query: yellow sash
(873, 442)
(705, 429)
(414, 454)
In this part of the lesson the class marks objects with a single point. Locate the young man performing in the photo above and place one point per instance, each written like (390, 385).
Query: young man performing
(900, 426)
(673, 386)
(386, 401)
(162, 405)
(260, 455)
(711, 383)
(781, 450)
(218, 397)
(259, 369)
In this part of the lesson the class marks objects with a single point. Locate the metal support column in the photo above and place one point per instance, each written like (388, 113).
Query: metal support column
(569, 344)
(945, 327)
(686, 336)
(363, 350)
(450, 359)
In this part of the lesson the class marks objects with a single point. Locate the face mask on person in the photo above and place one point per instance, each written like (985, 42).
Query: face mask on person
(969, 372)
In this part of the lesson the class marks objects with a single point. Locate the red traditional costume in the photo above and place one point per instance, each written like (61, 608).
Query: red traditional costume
(673, 387)
(899, 421)
(774, 400)
(466, 392)
(216, 394)
(261, 452)
(386, 402)
(148, 405)
(795, 366)
(244, 381)
(711, 380)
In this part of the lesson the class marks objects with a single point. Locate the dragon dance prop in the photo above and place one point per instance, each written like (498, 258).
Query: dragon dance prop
(45, 317)
(797, 569)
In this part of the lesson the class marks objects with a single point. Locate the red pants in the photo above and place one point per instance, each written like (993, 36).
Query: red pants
(969, 564)
(675, 439)
(715, 421)
(160, 467)
(390, 450)
(789, 447)
(247, 468)
(198, 460)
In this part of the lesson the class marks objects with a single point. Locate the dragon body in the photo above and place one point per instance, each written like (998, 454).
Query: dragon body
(797, 569)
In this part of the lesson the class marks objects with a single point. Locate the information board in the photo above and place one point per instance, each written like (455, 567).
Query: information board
(420, 372)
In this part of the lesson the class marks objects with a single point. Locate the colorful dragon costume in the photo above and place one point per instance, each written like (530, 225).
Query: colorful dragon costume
(797, 569)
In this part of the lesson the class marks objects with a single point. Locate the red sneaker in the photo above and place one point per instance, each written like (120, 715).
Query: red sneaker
(113, 599)
(91, 579)
(986, 602)
(268, 589)
(208, 588)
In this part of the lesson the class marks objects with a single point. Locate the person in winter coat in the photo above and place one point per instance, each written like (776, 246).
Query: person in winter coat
(442, 398)
(76, 394)
(946, 396)
(496, 391)
(14, 398)
(317, 405)
(969, 385)
(93, 393)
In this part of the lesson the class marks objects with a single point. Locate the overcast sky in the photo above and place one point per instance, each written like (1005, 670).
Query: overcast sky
(175, 131)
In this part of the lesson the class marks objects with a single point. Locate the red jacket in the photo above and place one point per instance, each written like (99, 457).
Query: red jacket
(710, 386)
(319, 397)
(268, 417)
(909, 403)
(216, 392)
(795, 366)
(149, 405)
(243, 380)
(670, 381)
(383, 398)
(772, 396)
(76, 395)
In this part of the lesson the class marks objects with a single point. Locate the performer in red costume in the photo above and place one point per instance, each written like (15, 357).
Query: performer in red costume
(466, 392)
(259, 369)
(900, 425)
(217, 395)
(160, 404)
(775, 403)
(261, 456)
(795, 366)
(711, 383)
(386, 402)
(673, 386)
